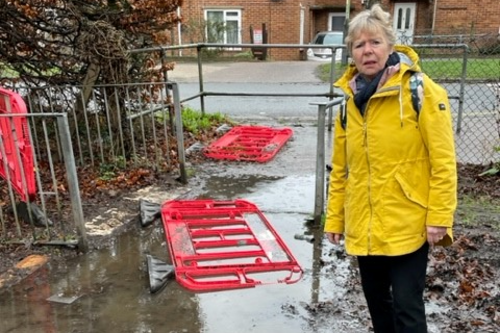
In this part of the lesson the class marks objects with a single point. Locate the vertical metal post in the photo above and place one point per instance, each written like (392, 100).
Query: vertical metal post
(24, 183)
(3, 155)
(121, 136)
(168, 95)
(332, 75)
(179, 30)
(200, 76)
(462, 90)
(320, 166)
(179, 133)
(346, 28)
(72, 177)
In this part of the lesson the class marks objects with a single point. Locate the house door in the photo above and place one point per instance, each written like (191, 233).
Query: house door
(404, 22)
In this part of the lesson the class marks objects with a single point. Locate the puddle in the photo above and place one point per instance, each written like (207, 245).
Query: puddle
(291, 194)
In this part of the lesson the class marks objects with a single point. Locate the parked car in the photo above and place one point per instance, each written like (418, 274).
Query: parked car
(327, 38)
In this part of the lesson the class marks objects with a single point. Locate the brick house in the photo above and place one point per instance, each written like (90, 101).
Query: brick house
(297, 21)
(466, 16)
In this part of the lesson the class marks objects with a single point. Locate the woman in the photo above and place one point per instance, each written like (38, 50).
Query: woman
(393, 184)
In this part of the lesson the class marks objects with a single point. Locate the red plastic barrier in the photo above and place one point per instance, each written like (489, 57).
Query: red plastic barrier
(18, 158)
(249, 143)
(220, 245)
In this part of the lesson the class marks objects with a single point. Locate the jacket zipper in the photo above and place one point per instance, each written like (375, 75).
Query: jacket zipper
(365, 139)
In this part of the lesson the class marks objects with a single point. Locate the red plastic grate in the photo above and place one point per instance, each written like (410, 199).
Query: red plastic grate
(220, 245)
(16, 157)
(249, 143)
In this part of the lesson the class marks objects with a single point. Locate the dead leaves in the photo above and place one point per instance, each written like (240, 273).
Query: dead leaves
(470, 183)
(465, 276)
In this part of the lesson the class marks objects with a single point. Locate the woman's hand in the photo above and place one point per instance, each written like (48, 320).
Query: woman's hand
(334, 238)
(435, 234)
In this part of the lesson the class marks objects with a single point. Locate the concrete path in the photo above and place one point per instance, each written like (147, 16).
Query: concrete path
(250, 71)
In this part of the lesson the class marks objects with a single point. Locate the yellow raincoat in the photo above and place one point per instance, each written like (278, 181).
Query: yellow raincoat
(393, 170)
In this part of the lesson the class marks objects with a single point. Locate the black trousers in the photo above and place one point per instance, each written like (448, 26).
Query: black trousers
(394, 288)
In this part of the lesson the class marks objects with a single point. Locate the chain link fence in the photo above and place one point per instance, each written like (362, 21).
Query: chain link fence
(485, 43)
(471, 75)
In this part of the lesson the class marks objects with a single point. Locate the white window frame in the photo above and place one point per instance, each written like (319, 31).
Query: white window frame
(330, 15)
(227, 18)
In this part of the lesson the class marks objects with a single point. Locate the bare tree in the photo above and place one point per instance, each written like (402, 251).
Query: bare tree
(83, 43)
(70, 41)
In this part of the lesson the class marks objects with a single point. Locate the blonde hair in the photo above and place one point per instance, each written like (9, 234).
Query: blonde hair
(372, 21)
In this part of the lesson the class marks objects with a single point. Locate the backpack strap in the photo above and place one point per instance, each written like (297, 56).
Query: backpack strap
(417, 91)
(417, 95)
(343, 114)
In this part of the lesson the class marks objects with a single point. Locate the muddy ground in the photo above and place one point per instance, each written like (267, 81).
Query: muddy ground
(463, 278)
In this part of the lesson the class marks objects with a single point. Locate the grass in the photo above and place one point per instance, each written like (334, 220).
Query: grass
(475, 211)
(477, 69)
(323, 71)
(195, 122)
(215, 57)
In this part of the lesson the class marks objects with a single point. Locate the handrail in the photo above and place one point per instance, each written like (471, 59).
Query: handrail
(319, 197)
(202, 93)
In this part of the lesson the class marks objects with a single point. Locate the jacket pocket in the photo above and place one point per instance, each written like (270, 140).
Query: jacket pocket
(410, 193)
(404, 210)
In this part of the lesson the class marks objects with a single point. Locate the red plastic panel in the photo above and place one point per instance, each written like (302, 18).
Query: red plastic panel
(249, 143)
(17, 146)
(220, 245)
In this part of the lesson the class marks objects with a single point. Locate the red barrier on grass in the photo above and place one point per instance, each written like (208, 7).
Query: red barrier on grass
(220, 245)
(249, 143)
(16, 157)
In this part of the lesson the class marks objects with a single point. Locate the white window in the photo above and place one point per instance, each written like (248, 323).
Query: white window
(223, 26)
(336, 21)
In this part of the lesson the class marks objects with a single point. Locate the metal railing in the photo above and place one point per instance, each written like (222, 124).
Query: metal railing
(472, 146)
(44, 213)
(117, 122)
(319, 193)
(121, 128)
(202, 93)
